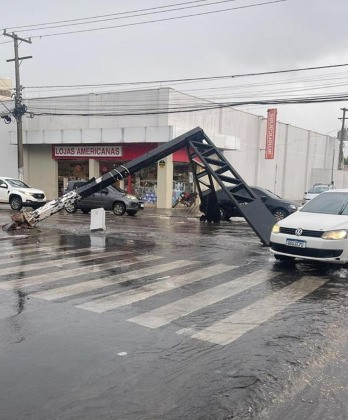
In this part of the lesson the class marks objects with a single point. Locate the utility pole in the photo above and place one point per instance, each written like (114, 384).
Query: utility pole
(20, 108)
(342, 135)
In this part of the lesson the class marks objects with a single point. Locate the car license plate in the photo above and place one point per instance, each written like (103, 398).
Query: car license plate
(296, 243)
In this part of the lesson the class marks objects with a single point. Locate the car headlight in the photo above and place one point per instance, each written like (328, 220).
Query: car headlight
(276, 228)
(335, 234)
(293, 207)
(131, 197)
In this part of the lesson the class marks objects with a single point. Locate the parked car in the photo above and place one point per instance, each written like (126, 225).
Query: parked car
(279, 207)
(318, 231)
(315, 191)
(109, 198)
(18, 194)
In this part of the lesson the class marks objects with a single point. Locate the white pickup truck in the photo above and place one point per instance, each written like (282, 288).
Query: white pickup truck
(18, 194)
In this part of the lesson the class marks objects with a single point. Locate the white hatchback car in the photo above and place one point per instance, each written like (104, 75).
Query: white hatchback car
(18, 194)
(318, 231)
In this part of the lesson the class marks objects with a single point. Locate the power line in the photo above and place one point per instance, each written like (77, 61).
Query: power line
(127, 17)
(281, 101)
(141, 101)
(160, 20)
(6, 107)
(193, 79)
(107, 15)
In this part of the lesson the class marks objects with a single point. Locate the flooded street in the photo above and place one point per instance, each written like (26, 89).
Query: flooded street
(166, 318)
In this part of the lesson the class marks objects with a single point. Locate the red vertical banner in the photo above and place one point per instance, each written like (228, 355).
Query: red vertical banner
(271, 133)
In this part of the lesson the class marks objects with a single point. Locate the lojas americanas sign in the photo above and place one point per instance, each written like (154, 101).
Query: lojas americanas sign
(87, 152)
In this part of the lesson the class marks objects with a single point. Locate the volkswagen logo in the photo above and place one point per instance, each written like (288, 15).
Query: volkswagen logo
(298, 232)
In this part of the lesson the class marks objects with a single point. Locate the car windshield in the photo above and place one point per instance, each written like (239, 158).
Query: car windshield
(118, 189)
(262, 191)
(318, 189)
(17, 183)
(328, 203)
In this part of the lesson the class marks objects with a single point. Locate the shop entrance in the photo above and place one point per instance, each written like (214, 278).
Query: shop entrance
(182, 179)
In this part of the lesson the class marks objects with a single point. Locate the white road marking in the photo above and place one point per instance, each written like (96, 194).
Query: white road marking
(126, 298)
(6, 245)
(58, 263)
(87, 286)
(168, 313)
(59, 275)
(28, 249)
(41, 253)
(231, 328)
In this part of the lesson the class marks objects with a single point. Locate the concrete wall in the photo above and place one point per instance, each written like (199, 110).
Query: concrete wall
(8, 151)
(40, 170)
(340, 178)
(122, 102)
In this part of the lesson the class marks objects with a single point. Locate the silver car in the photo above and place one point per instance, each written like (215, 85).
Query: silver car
(109, 198)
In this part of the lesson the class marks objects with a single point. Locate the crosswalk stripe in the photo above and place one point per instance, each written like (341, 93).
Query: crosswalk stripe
(96, 268)
(6, 244)
(168, 313)
(27, 250)
(125, 298)
(23, 252)
(87, 286)
(58, 263)
(231, 328)
(40, 253)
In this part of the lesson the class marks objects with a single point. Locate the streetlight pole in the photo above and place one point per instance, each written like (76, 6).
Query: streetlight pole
(19, 109)
(340, 154)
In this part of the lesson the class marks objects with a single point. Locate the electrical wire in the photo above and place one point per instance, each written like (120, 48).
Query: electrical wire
(192, 79)
(159, 20)
(128, 17)
(6, 107)
(211, 106)
(107, 15)
(144, 99)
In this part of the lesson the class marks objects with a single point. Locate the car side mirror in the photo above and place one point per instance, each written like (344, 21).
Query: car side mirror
(263, 198)
(105, 191)
(3, 186)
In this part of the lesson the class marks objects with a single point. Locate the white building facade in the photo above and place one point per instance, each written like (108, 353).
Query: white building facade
(58, 148)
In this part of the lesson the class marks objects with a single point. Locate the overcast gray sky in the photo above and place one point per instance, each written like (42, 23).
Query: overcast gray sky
(290, 34)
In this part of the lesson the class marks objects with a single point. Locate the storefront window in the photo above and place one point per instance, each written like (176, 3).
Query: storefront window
(144, 184)
(69, 170)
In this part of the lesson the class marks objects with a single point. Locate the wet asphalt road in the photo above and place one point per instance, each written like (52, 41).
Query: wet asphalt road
(166, 318)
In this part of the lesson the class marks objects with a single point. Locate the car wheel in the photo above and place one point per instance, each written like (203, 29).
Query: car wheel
(119, 208)
(16, 203)
(280, 214)
(131, 212)
(71, 208)
(85, 211)
(284, 258)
